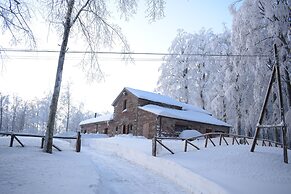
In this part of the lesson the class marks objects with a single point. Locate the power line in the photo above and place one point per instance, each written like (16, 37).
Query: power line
(131, 53)
(100, 58)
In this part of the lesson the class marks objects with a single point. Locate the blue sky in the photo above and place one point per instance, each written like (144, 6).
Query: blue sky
(190, 15)
(33, 77)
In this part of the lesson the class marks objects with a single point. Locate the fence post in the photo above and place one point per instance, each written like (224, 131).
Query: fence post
(206, 141)
(186, 142)
(42, 142)
(11, 140)
(220, 139)
(78, 142)
(154, 146)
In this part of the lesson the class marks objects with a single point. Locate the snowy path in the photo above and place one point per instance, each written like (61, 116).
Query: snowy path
(120, 176)
(124, 168)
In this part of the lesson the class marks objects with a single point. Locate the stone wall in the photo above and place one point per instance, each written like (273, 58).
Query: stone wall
(147, 124)
(172, 127)
(89, 128)
(104, 127)
(125, 116)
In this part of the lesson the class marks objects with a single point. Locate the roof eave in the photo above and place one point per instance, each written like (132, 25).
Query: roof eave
(160, 115)
(116, 99)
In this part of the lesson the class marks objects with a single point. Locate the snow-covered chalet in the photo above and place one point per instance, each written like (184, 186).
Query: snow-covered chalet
(148, 114)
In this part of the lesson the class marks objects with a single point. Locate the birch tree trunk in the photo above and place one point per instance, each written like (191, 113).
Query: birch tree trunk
(54, 102)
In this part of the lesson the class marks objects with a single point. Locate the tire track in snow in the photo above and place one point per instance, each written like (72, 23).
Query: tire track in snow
(118, 175)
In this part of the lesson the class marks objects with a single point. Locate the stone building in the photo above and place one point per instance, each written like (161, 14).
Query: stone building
(98, 124)
(148, 114)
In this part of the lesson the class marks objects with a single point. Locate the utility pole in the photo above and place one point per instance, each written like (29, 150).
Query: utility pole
(275, 75)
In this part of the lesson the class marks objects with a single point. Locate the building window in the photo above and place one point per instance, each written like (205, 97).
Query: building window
(124, 104)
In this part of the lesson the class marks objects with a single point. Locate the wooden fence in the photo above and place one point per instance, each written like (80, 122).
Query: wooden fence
(14, 136)
(235, 139)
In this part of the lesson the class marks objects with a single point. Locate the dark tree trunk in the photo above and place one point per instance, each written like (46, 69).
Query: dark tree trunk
(186, 83)
(288, 85)
(54, 103)
(23, 118)
(13, 119)
(224, 116)
(68, 120)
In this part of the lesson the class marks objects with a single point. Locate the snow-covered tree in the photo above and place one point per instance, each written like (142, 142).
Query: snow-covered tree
(233, 87)
(257, 25)
(65, 107)
(175, 71)
(18, 115)
(190, 75)
(4, 101)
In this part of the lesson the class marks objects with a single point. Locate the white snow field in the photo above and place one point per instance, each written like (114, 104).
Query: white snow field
(123, 164)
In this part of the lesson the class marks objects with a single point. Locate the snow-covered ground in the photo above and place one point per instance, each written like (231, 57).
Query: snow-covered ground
(124, 164)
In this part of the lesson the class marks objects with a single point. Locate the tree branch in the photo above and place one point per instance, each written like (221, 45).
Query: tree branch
(79, 12)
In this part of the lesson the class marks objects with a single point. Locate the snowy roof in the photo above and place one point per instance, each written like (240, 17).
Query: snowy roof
(154, 97)
(106, 117)
(189, 107)
(184, 115)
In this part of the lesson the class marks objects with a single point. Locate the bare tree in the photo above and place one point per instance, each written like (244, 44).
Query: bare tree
(68, 105)
(65, 108)
(14, 18)
(15, 106)
(89, 18)
(23, 115)
(3, 103)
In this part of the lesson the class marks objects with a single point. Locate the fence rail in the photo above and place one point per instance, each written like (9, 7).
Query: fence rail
(235, 139)
(14, 136)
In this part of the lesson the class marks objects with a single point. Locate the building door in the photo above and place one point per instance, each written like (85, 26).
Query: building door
(106, 131)
(146, 130)
(124, 130)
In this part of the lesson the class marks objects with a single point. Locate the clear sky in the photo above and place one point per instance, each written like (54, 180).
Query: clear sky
(32, 75)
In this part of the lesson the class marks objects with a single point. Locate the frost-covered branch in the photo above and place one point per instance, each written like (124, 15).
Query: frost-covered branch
(14, 17)
(155, 9)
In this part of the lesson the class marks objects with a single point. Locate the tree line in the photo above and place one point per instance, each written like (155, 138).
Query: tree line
(30, 116)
